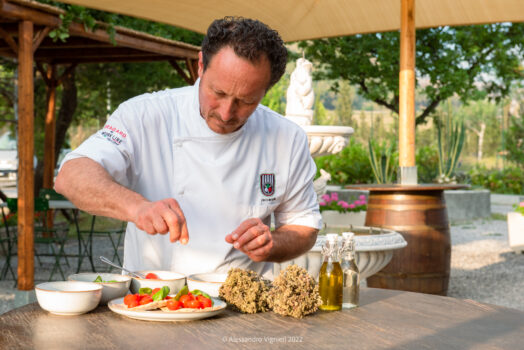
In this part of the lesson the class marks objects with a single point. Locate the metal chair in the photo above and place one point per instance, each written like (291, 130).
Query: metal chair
(8, 246)
(114, 235)
(53, 238)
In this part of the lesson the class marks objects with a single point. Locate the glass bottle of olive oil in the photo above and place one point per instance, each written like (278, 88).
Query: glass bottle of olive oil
(330, 277)
(351, 284)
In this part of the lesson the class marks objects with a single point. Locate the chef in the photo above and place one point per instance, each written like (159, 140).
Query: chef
(204, 165)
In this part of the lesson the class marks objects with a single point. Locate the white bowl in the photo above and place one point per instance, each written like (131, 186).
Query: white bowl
(68, 297)
(175, 281)
(110, 290)
(206, 282)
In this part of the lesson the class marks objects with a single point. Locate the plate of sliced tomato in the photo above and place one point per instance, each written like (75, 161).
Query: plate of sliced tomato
(184, 306)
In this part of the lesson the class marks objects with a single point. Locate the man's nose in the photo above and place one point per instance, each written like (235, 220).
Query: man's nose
(227, 109)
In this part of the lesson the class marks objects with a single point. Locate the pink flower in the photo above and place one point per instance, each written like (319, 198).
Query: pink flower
(352, 205)
(362, 198)
(343, 204)
(326, 198)
(357, 202)
(522, 204)
(334, 196)
(322, 203)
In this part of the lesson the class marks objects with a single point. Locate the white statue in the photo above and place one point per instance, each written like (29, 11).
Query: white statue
(300, 95)
(320, 183)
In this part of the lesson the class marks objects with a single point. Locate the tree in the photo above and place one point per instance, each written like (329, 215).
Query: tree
(473, 62)
(275, 98)
(343, 104)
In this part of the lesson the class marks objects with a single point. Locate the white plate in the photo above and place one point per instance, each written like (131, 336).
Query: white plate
(117, 305)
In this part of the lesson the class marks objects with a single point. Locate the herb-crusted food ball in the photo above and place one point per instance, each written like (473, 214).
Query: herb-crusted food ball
(246, 291)
(294, 293)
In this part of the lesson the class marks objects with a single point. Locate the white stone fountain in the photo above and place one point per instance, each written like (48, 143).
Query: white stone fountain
(374, 246)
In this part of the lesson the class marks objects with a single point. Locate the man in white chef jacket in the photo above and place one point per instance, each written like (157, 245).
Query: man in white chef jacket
(204, 165)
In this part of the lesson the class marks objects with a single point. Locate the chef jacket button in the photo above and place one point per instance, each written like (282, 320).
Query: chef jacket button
(181, 192)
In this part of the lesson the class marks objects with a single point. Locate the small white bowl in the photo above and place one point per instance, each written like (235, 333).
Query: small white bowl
(110, 290)
(68, 297)
(175, 281)
(206, 282)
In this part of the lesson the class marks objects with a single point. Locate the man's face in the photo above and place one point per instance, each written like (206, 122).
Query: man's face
(231, 89)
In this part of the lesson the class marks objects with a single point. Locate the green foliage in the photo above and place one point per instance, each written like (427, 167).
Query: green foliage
(472, 62)
(514, 141)
(351, 166)
(343, 104)
(320, 116)
(480, 119)
(508, 181)
(381, 161)
(519, 208)
(449, 149)
(275, 98)
(427, 163)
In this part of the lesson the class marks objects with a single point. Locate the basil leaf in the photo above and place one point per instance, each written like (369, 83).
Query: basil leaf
(197, 292)
(181, 292)
(98, 279)
(161, 294)
(145, 291)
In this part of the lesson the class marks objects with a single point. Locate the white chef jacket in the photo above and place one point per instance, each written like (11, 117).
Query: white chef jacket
(159, 145)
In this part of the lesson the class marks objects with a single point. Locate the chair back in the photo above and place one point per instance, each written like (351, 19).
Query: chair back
(41, 204)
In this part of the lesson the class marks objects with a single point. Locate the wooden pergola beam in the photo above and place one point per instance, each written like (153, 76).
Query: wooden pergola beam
(74, 53)
(9, 40)
(181, 72)
(49, 20)
(39, 37)
(25, 153)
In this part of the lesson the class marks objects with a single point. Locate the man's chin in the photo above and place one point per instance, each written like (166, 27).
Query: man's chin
(223, 129)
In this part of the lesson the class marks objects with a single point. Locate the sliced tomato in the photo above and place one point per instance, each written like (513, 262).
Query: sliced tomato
(151, 276)
(206, 302)
(154, 291)
(145, 299)
(185, 299)
(131, 298)
(174, 304)
(193, 304)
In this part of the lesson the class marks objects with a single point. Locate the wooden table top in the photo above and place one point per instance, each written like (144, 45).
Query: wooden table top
(386, 319)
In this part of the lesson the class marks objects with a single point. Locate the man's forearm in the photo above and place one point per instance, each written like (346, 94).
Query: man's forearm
(290, 241)
(90, 188)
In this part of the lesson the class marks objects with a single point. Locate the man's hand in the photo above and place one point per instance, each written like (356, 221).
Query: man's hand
(162, 217)
(253, 238)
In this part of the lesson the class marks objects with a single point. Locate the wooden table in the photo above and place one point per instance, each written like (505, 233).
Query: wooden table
(386, 319)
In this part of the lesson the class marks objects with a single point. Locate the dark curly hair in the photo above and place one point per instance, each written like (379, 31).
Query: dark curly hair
(249, 39)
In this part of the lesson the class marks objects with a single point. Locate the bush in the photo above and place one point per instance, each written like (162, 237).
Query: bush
(508, 181)
(427, 164)
(351, 166)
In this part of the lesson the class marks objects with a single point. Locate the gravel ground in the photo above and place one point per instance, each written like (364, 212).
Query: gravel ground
(483, 267)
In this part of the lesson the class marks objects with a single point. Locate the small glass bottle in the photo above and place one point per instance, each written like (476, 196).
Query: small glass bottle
(330, 276)
(351, 283)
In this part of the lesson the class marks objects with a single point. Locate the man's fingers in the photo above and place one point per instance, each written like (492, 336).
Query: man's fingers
(243, 227)
(176, 222)
(249, 235)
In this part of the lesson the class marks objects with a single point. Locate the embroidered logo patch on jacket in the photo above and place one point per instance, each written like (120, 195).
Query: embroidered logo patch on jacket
(267, 184)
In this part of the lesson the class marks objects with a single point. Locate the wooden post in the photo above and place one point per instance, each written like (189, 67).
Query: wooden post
(26, 178)
(408, 170)
(49, 141)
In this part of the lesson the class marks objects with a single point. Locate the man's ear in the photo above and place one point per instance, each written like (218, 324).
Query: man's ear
(200, 64)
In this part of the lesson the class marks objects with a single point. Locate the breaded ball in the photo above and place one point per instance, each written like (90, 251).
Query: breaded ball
(294, 293)
(246, 291)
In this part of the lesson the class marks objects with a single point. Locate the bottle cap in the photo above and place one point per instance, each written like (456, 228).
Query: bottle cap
(332, 237)
(348, 235)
